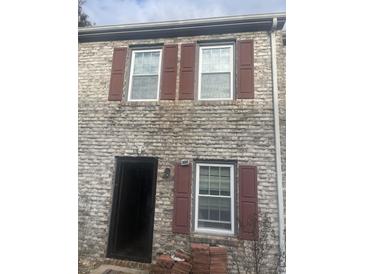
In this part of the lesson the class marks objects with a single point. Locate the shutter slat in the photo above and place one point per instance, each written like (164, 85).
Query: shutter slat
(117, 74)
(169, 71)
(245, 70)
(182, 199)
(187, 72)
(248, 223)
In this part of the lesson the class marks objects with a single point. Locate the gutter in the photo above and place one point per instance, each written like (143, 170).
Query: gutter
(277, 138)
(180, 28)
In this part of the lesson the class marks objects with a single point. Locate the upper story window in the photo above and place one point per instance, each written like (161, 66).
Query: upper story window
(214, 209)
(216, 72)
(144, 82)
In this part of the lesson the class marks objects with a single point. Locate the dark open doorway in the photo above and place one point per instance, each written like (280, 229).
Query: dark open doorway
(131, 224)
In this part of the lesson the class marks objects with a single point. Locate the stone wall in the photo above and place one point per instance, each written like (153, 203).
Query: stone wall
(281, 70)
(239, 130)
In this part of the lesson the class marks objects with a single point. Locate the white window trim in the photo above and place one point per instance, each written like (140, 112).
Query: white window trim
(200, 72)
(131, 77)
(232, 195)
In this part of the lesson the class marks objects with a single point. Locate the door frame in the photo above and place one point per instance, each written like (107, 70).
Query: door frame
(113, 220)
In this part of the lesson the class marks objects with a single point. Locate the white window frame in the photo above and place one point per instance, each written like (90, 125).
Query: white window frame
(131, 76)
(200, 71)
(232, 195)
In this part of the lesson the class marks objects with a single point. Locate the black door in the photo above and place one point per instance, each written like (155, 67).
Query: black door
(131, 224)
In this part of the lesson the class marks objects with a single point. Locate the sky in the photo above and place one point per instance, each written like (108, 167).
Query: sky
(108, 12)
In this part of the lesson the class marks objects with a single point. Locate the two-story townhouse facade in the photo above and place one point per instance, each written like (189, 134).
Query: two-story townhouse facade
(181, 136)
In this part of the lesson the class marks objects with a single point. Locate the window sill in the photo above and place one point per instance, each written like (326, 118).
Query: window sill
(215, 102)
(215, 233)
(143, 101)
(140, 103)
(230, 239)
(182, 102)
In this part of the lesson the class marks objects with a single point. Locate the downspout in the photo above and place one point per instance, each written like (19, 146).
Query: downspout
(277, 137)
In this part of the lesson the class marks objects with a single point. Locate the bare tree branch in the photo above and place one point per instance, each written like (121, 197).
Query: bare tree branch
(83, 17)
(256, 255)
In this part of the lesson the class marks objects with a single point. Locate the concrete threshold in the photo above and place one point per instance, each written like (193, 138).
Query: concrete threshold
(114, 269)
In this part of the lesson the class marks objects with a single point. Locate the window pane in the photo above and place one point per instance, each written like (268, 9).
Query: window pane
(215, 85)
(146, 62)
(215, 210)
(215, 225)
(216, 60)
(225, 171)
(225, 186)
(204, 208)
(214, 171)
(215, 180)
(214, 185)
(225, 209)
(204, 180)
(225, 181)
(204, 170)
(204, 184)
(144, 87)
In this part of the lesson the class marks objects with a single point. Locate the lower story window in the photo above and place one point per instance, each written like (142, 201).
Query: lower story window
(214, 209)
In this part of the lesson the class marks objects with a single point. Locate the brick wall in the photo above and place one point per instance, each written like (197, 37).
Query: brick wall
(240, 130)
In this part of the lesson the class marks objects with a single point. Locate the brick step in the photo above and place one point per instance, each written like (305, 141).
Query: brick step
(203, 259)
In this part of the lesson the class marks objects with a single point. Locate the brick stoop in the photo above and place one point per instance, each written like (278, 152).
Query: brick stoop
(180, 263)
(203, 259)
(218, 260)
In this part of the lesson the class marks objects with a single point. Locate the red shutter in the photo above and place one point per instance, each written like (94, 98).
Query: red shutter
(248, 224)
(117, 74)
(245, 70)
(182, 199)
(187, 71)
(169, 70)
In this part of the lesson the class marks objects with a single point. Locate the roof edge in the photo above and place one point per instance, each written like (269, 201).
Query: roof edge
(190, 27)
